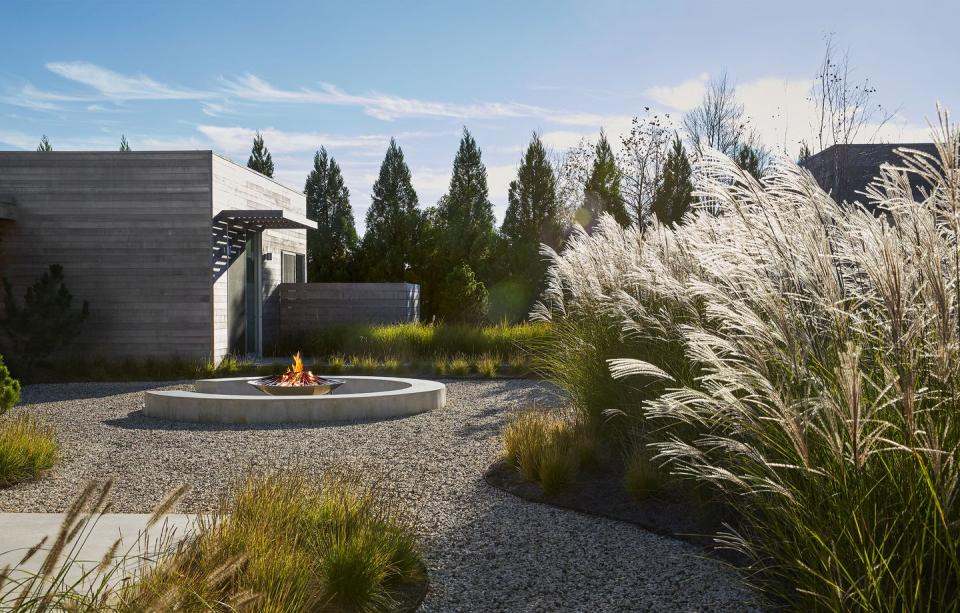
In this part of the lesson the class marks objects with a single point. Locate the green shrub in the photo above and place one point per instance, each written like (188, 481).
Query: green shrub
(290, 541)
(464, 298)
(9, 389)
(45, 323)
(27, 448)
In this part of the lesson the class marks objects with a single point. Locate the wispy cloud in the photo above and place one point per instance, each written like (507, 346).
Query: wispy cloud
(105, 85)
(382, 106)
(114, 86)
(237, 139)
(682, 96)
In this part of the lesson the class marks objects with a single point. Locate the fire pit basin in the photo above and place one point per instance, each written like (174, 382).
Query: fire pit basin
(236, 401)
(268, 385)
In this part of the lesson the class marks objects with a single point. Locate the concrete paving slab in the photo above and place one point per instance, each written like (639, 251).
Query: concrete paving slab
(21, 531)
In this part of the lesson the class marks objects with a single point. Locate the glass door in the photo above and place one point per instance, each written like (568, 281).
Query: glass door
(253, 300)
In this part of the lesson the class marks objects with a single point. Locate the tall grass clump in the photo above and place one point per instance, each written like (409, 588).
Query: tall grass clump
(818, 382)
(418, 341)
(548, 448)
(27, 448)
(595, 290)
(290, 541)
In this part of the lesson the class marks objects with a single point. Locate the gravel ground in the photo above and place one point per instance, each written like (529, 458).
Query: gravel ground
(486, 550)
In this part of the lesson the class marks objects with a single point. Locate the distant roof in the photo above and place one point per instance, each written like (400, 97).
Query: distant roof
(847, 170)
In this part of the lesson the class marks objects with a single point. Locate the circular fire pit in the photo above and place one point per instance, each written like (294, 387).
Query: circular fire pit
(236, 401)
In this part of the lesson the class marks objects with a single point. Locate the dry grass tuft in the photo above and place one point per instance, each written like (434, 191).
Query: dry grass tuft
(27, 448)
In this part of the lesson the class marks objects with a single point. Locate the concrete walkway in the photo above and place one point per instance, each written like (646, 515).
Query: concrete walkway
(21, 531)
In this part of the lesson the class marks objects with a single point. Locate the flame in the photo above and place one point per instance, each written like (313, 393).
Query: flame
(297, 365)
(295, 375)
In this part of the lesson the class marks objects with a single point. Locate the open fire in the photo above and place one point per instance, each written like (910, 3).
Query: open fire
(296, 376)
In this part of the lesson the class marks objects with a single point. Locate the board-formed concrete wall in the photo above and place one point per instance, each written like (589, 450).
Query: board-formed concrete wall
(132, 232)
(308, 306)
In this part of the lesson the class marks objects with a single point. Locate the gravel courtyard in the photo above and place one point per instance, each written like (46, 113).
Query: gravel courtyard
(486, 550)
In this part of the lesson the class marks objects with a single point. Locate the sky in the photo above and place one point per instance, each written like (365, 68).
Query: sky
(351, 75)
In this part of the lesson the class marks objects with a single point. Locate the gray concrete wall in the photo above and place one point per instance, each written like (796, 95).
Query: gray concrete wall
(132, 231)
(308, 306)
(238, 187)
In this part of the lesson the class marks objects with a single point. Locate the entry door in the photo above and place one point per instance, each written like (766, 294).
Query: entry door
(245, 301)
(251, 291)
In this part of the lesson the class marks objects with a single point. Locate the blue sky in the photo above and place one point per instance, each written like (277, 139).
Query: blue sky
(199, 75)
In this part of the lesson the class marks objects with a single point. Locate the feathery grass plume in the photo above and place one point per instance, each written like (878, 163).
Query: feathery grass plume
(168, 502)
(33, 551)
(814, 350)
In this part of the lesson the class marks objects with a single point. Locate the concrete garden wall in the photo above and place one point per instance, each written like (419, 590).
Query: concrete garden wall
(307, 306)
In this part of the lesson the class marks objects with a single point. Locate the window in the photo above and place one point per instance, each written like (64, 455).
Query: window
(293, 267)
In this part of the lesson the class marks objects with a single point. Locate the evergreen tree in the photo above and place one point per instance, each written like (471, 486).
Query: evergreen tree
(44, 144)
(602, 191)
(465, 215)
(124, 145)
(332, 246)
(748, 158)
(534, 213)
(389, 246)
(805, 152)
(675, 193)
(260, 159)
(534, 216)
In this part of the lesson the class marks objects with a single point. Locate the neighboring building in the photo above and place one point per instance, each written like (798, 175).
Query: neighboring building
(845, 171)
(178, 252)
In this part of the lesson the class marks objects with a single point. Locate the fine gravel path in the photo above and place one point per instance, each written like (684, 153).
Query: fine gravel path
(486, 550)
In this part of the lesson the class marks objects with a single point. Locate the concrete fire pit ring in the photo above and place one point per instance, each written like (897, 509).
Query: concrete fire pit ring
(234, 401)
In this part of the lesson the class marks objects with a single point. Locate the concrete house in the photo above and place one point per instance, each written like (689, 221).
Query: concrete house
(179, 253)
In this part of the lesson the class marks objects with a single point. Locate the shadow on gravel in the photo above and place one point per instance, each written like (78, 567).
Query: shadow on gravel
(503, 553)
(63, 392)
(543, 395)
(136, 420)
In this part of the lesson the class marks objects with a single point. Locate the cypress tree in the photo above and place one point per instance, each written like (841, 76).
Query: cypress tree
(534, 212)
(393, 221)
(260, 159)
(749, 159)
(602, 191)
(44, 144)
(124, 145)
(332, 246)
(805, 152)
(465, 215)
(674, 195)
(534, 216)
